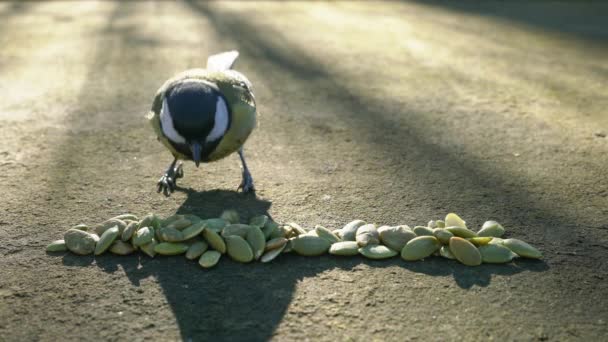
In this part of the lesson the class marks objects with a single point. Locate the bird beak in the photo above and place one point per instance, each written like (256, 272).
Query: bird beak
(196, 152)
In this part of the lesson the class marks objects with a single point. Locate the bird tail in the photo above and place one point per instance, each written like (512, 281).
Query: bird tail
(222, 61)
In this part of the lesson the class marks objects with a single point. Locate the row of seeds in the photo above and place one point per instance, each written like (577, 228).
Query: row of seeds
(263, 239)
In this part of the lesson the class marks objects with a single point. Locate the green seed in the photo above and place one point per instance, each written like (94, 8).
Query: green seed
(238, 249)
(272, 254)
(522, 249)
(196, 250)
(121, 248)
(349, 231)
(465, 252)
(440, 223)
(423, 231)
(296, 228)
(367, 235)
(461, 232)
(126, 217)
(326, 234)
(171, 248)
(102, 227)
(209, 259)
(310, 245)
(150, 220)
(257, 241)
(127, 234)
(280, 231)
(216, 224)
(269, 228)
(215, 240)
(81, 226)
(480, 241)
(377, 252)
(193, 218)
(143, 236)
(57, 246)
(237, 229)
(496, 254)
(149, 248)
(289, 246)
(442, 235)
(491, 228)
(344, 248)
(258, 221)
(164, 222)
(180, 224)
(445, 252)
(106, 239)
(275, 243)
(231, 216)
(453, 220)
(171, 235)
(193, 230)
(395, 237)
(80, 242)
(420, 247)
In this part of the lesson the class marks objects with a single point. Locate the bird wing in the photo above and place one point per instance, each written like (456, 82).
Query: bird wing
(222, 61)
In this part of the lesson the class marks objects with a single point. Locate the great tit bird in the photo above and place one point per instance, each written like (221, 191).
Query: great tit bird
(204, 115)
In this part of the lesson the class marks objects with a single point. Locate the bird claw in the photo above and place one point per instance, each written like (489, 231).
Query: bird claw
(167, 183)
(247, 183)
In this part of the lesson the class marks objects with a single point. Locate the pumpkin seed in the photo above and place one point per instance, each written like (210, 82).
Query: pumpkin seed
(80, 242)
(171, 248)
(423, 231)
(171, 235)
(216, 224)
(143, 236)
(126, 217)
(238, 249)
(180, 224)
(193, 230)
(230, 215)
(149, 248)
(344, 248)
(196, 250)
(461, 232)
(395, 237)
(440, 223)
(310, 245)
(420, 247)
(296, 229)
(237, 229)
(215, 240)
(289, 246)
(326, 234)
(522, 249)
(257, 241)
(480, 241)
(209, 259)
(193, 218)
(102, 227)
(453, 220)
(367, 235)
(349, 231)
(81, 226)
(465, 252)
(151, 220)
(127, 234)
(280, 231)
(442, 235)
(445, 252)
(275, 243)
(377, 252)
(121, 248)
(106, 239)
(491, 228)
(269, 228)
(258, 221)
(496, 254)
(57, 246)
(272, 254)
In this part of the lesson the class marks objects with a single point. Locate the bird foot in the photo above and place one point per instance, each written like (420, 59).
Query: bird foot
(167, 182)
(247, 183)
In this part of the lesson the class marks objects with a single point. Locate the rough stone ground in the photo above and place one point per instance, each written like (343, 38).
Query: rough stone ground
(393, 112)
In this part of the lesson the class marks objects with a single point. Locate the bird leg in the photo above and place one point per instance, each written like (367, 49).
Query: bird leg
(167, 182)
(247, 182)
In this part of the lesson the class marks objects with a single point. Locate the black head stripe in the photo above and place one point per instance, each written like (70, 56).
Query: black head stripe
(192, 108)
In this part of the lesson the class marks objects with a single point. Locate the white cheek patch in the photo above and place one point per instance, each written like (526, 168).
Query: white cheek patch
(221, 121)
(167, 125)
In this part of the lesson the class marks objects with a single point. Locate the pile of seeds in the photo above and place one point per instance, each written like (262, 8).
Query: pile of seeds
(263, 239)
